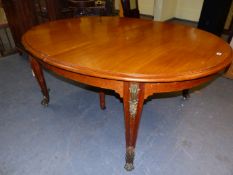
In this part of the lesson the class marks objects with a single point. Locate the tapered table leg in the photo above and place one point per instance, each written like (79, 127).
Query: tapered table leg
(102, 100)
(133, 99)
(185, 94)
(36, 67)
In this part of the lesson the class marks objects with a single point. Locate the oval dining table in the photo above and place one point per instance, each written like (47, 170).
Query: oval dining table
(136, 58)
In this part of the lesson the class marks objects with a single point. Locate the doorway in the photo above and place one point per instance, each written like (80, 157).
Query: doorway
(213, 16)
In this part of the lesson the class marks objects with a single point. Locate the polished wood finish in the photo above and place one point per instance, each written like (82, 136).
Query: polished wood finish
(23, 14)
(115, 85)
(102, 99)
(132, 122)
(149, 51)
(37, 70)
(135, 58)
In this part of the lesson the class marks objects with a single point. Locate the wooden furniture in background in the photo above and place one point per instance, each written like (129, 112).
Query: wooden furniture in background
(81, 7)
(91, 7)
(135, 58)
(7, 46)
(130, 8)
(20, 16)
(48, 10)
(23, 14)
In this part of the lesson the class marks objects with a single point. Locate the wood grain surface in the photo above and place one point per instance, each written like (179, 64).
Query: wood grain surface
(128, 49)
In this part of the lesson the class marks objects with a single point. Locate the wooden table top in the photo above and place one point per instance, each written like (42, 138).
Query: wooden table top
(128, 49)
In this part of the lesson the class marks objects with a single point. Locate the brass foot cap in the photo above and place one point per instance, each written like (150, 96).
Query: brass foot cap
(45, 102)
(129, 166)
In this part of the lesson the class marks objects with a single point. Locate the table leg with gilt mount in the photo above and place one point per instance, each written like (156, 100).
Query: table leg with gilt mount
(133, 98)
(152, 68)
(133, 94)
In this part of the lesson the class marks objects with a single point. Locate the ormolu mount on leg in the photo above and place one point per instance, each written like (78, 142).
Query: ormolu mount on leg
(133, 100)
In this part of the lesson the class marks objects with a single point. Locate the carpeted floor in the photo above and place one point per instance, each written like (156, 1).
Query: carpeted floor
(72, 136)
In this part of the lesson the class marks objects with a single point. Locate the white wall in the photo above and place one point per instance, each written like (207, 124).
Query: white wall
(183, 9)
(166, 9)
(189, 9)
(117, 4)
(169, 9)
(146, 7)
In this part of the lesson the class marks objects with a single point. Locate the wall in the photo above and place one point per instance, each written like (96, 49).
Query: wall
(166, 9)
(189, 9)
(229, 18)
(146, 7)
(182, 9)
(169, 9)
(2, 16)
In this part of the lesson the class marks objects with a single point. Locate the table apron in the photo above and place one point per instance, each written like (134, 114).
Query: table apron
(118, 86)
(151, 88)
(115, 85)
